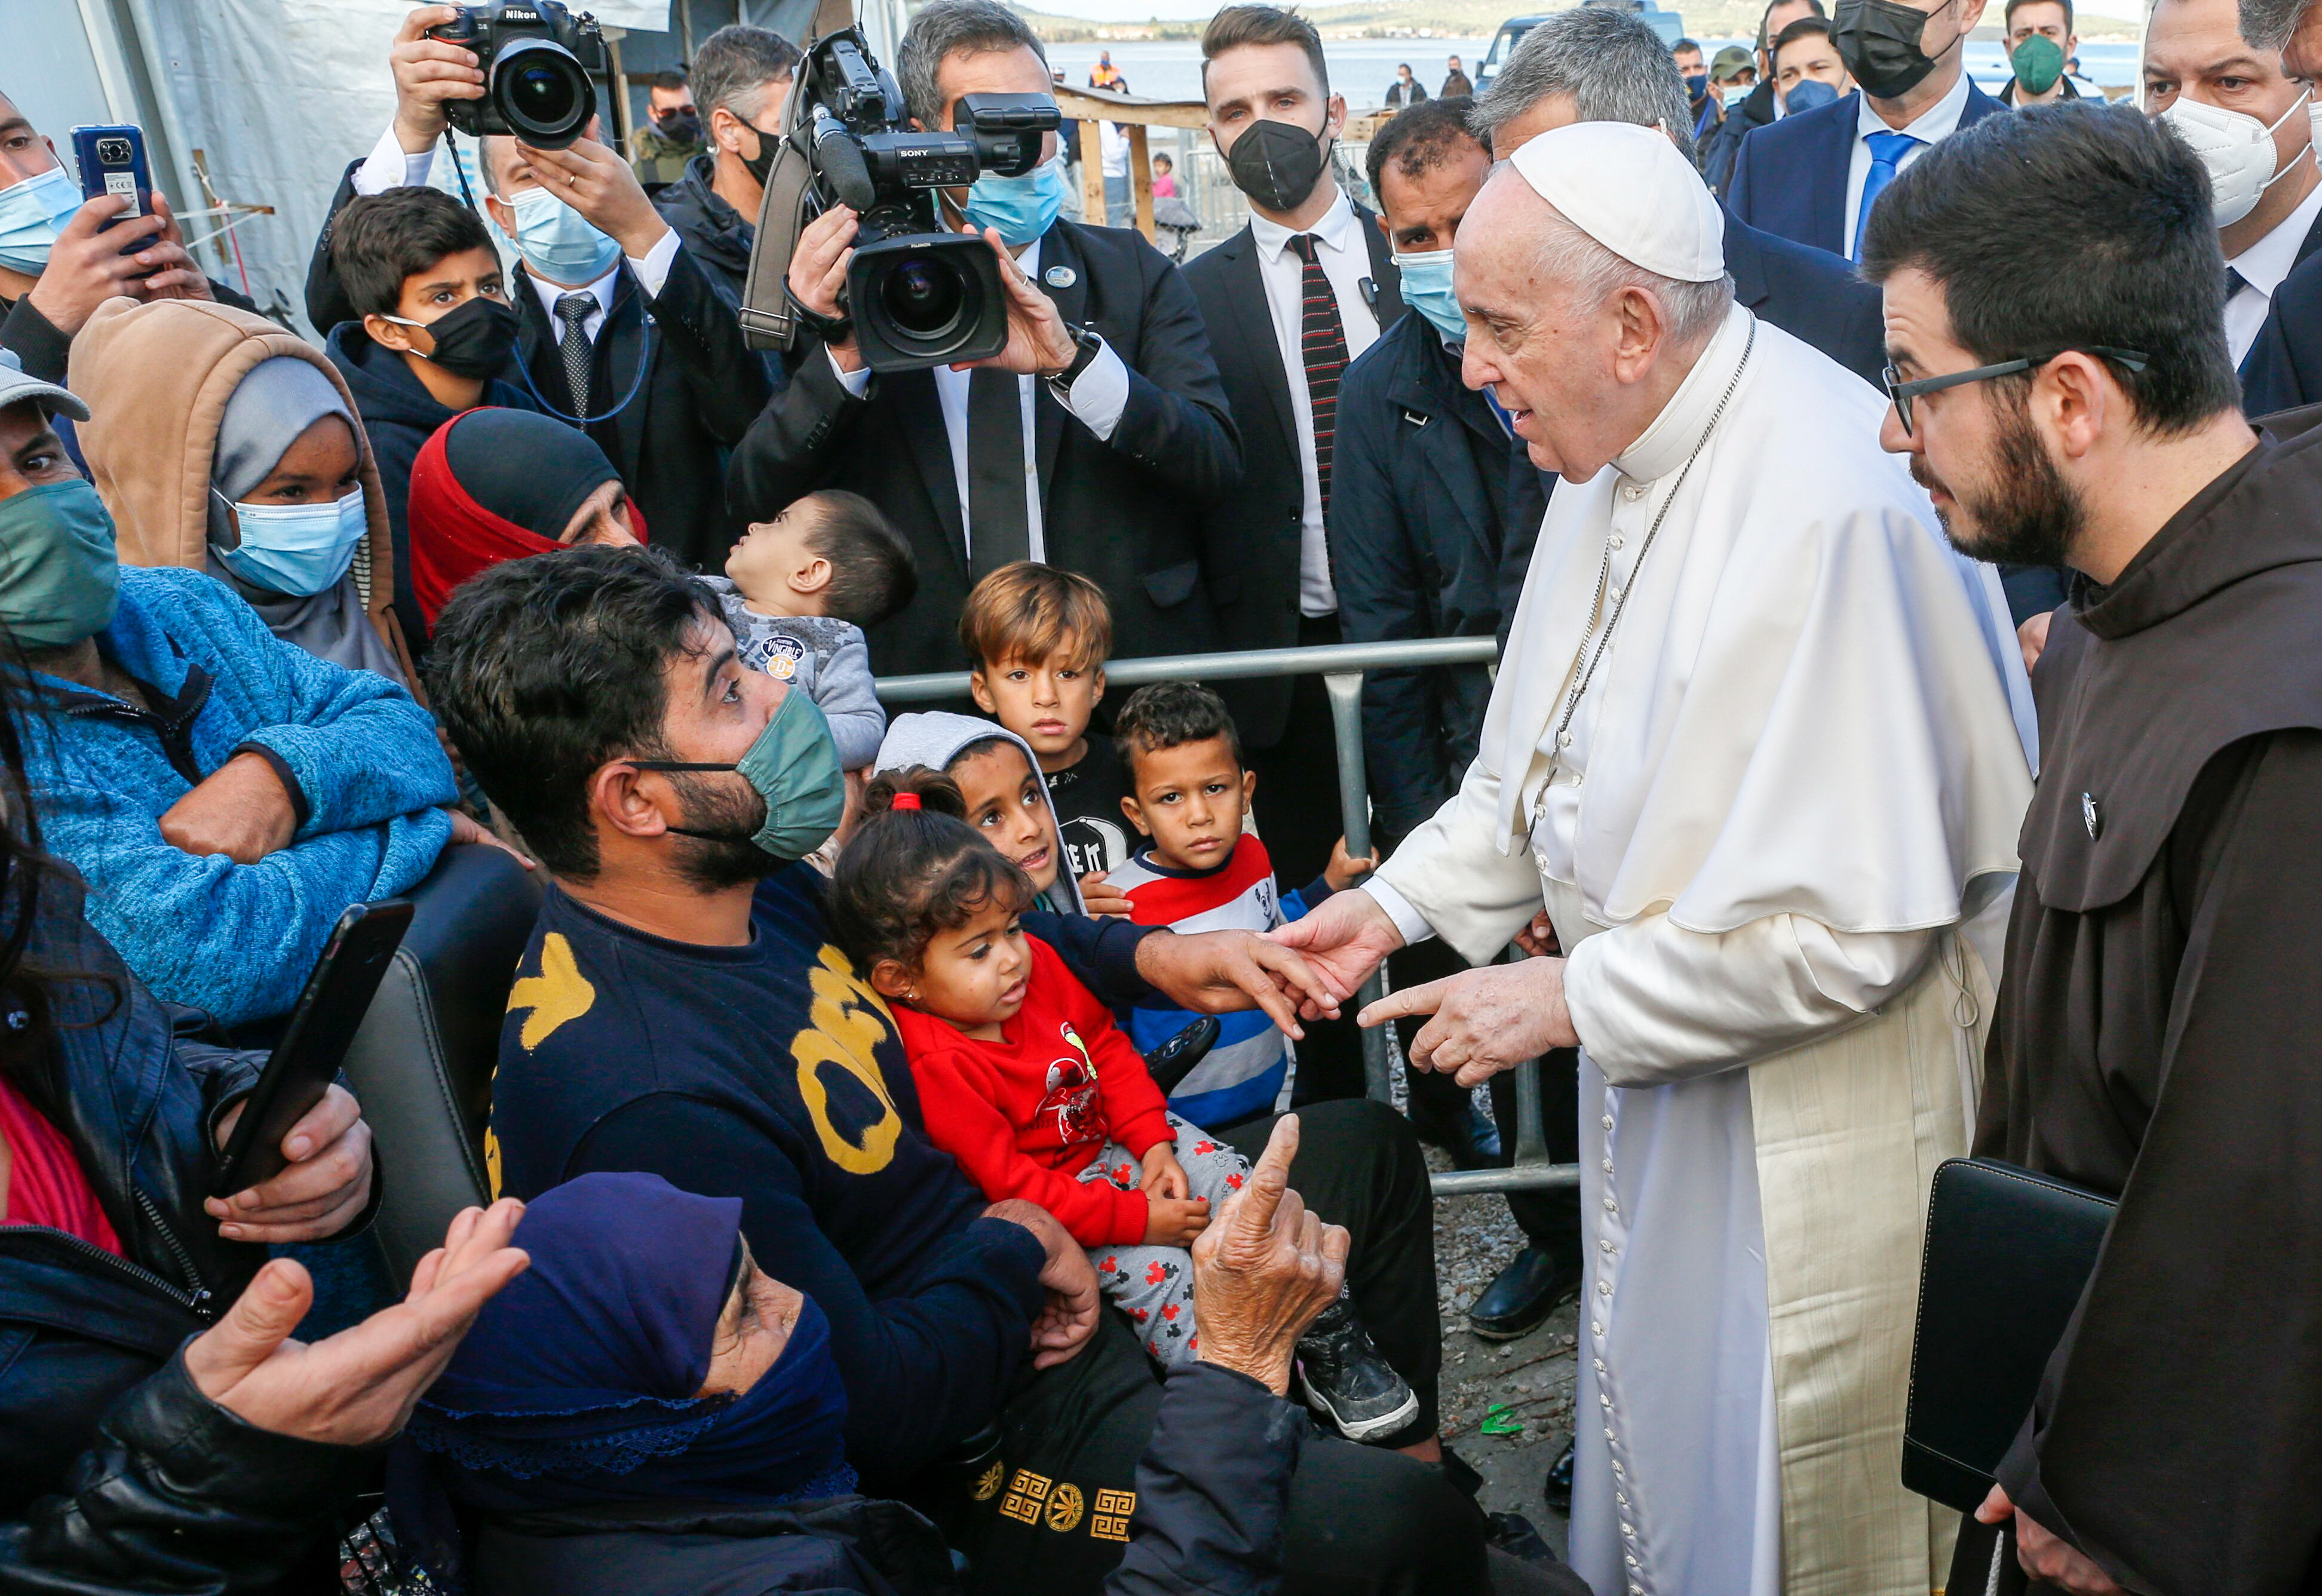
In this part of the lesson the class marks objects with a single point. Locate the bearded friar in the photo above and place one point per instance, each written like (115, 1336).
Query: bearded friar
(1753, 747)
(2162, 995)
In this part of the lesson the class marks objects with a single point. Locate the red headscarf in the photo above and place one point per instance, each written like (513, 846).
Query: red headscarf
(516, 459)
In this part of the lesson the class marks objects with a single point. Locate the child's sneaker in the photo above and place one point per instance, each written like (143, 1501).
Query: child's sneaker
(1347, 1381)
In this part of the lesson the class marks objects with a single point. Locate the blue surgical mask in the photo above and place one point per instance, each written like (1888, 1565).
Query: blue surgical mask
(30, 215)
(558, 242)
(297, 549)
(1022, 209)
(1427, 288)
(1734, 93)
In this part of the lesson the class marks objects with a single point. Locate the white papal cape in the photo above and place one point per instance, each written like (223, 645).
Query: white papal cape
(1793, 780)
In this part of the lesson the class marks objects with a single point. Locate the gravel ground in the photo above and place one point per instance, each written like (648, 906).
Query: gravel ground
(1475, 1237)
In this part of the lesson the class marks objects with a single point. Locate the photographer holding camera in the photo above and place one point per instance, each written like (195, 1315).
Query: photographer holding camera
(1052, 449)
(618, 330)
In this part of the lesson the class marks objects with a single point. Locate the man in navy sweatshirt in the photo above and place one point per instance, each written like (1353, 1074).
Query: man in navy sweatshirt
(682, 1010)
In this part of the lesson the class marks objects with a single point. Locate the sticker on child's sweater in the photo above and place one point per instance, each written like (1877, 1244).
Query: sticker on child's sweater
(784, 654)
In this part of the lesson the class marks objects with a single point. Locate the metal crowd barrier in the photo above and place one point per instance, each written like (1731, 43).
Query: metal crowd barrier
(1341, 667)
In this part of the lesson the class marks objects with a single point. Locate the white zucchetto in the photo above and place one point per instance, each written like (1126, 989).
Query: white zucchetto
(1627, 187)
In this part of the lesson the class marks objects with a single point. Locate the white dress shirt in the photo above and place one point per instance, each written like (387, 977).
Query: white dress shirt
(1098, 395)
(1937, 123)
(1346, 259)
(2262, 266)
(391, 166)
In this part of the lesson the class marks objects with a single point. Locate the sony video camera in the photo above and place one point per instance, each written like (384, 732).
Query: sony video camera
(918, 293)
(538, 61)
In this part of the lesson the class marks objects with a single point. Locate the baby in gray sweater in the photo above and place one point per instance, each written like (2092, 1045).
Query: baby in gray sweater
(798, 591)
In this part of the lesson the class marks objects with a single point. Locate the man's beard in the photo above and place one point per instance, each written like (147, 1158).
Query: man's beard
(727, 857)
(2026, 513)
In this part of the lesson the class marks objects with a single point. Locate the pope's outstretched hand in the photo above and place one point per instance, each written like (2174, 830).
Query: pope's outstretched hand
(1343, 940)
(1484, 1020)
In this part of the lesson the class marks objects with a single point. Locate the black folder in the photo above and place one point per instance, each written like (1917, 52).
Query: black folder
(2008, 1253)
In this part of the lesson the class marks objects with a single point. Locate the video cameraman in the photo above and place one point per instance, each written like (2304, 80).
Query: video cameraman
(595, 263)
(1097, 474)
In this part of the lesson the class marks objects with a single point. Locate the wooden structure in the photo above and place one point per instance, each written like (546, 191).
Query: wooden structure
(1089, 106)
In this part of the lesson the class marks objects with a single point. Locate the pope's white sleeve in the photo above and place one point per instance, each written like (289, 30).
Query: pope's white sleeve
(1655, 1003)
(1449, 872)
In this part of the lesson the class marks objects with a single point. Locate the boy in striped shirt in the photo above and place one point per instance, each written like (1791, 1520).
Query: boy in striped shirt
(1198, 871)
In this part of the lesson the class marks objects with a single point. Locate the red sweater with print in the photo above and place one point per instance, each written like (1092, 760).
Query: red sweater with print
(1024, 1115)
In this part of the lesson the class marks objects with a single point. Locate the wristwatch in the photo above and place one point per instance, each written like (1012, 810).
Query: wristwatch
(1086, 346)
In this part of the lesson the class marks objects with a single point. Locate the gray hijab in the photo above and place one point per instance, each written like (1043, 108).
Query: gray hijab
(276, 401)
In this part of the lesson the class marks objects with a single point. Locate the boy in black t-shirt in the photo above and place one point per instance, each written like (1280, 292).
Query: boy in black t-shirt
(1037, 640)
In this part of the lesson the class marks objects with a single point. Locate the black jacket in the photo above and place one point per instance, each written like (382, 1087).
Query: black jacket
(2283, 369)
(1120, 511)
(1252, 538)
(120, 1474)
(400, 415)
(1213, 1490)
(699, 388)
(1433, 508)
(1723, 141)
(717, 236)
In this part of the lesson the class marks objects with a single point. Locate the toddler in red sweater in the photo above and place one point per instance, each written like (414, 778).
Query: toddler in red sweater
(1024, 1079)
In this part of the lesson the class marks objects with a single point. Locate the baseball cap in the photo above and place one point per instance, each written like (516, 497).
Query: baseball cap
(18, 385)
(1731, 60)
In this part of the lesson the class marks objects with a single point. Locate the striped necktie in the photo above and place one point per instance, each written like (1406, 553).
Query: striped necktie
(1322, 344)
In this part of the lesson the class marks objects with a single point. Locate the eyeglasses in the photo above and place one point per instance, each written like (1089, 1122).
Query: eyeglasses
(1902, 393)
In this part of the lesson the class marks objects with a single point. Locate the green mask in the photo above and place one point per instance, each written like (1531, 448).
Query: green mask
(793, 766)
(2038, 61)
(59, 578)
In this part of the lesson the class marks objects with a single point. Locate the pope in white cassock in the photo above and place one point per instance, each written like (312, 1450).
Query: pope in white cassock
(1757, 744)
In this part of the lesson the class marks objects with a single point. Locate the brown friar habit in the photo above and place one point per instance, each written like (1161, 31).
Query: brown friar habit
(2158, 1037)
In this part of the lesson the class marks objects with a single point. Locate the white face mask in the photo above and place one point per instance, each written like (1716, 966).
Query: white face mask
(2238, 150)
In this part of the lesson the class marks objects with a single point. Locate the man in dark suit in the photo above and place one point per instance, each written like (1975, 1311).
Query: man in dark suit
(618, 330)
(1814, 177)
(1289, 300)
(1759, 107)
(1128, 434)
(2283, 369)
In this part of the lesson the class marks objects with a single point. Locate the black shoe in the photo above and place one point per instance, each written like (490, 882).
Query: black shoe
(1529, 1289)
(1518, 1536)
(1354, 1389)
(1472, 1141)
(1558, 1487)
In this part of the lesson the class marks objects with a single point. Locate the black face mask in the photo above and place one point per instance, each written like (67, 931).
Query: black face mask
(680, 127)
(476, 340)
(1879, 40)
(1276, 164)
(762, 162)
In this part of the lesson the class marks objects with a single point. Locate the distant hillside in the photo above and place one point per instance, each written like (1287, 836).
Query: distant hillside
(1470, 19)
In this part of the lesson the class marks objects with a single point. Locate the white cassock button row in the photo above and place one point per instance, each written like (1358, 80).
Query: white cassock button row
(1615, 541)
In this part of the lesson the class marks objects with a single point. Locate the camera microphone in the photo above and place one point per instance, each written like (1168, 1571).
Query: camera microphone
(839, 160)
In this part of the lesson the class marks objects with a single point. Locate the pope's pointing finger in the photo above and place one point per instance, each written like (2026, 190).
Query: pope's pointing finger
(1424, 999)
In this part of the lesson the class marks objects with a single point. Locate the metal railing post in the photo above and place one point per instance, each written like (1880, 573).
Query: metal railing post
(1345, 688)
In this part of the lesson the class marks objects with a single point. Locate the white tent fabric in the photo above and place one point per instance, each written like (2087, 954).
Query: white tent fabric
(279, 95)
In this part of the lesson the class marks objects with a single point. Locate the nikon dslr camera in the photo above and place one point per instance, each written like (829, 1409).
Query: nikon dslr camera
(538, 61)
(918, 293)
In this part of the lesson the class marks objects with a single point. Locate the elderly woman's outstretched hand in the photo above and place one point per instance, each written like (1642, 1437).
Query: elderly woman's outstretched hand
(1264, 1269)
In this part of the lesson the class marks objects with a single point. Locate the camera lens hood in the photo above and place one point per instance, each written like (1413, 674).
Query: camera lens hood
(541, 92)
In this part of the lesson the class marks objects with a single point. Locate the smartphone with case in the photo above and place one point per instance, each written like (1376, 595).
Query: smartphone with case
(111, 160)
(322, 1029)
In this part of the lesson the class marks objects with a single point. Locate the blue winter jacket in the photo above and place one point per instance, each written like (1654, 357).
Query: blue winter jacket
(360, 758)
